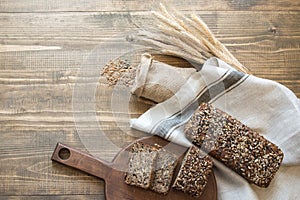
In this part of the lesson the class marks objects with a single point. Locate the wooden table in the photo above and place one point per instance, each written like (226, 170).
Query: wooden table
(44, 43)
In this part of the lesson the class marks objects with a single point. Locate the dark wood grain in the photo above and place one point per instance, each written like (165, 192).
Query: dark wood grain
(113, 172)
(55, 197)
(266, 42)
(121, 5)
(44, 43)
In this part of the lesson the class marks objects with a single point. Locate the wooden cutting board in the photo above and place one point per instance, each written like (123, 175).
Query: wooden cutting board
(113, 172)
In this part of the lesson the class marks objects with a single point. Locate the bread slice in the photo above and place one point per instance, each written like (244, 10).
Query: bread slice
(141, 166)
(236, 145)
(193, 175)
(165, 166)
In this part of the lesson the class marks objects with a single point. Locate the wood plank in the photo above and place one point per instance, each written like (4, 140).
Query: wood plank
(63, 29)
(26, 167)
(55, 197)
(268, 54)
(137, 5)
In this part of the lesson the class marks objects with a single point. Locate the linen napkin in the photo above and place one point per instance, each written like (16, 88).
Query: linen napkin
(266, 106)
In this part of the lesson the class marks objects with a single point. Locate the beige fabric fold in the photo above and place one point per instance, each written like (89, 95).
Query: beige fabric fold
(157, 81)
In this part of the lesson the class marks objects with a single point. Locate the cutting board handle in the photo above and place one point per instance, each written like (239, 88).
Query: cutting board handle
(85, 162)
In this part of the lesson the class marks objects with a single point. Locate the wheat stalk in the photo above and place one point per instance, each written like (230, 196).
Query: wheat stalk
(189, 38)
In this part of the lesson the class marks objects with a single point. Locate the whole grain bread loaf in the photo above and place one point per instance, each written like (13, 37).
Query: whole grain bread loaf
(141, 165)
(235, 144)
(150, 167)
(193, 175)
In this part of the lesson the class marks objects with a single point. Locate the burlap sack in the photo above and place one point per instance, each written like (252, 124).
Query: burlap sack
(157, 81)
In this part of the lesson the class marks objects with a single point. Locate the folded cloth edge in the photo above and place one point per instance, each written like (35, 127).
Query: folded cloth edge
(140, 79)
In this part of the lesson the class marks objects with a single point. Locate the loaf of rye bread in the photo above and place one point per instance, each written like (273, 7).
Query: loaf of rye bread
(165, 166)
(233, 143)
(193, 175)
(141, 165)
(150, 167)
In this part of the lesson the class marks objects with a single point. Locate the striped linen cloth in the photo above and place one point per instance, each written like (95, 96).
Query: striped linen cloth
(264, 105)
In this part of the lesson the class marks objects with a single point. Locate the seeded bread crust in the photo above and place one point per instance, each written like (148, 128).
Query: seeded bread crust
(141, 165)
(165, 166)
(233, 143)
(193, 175)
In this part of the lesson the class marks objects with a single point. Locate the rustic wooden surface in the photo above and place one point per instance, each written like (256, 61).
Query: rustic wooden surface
(44, 43)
